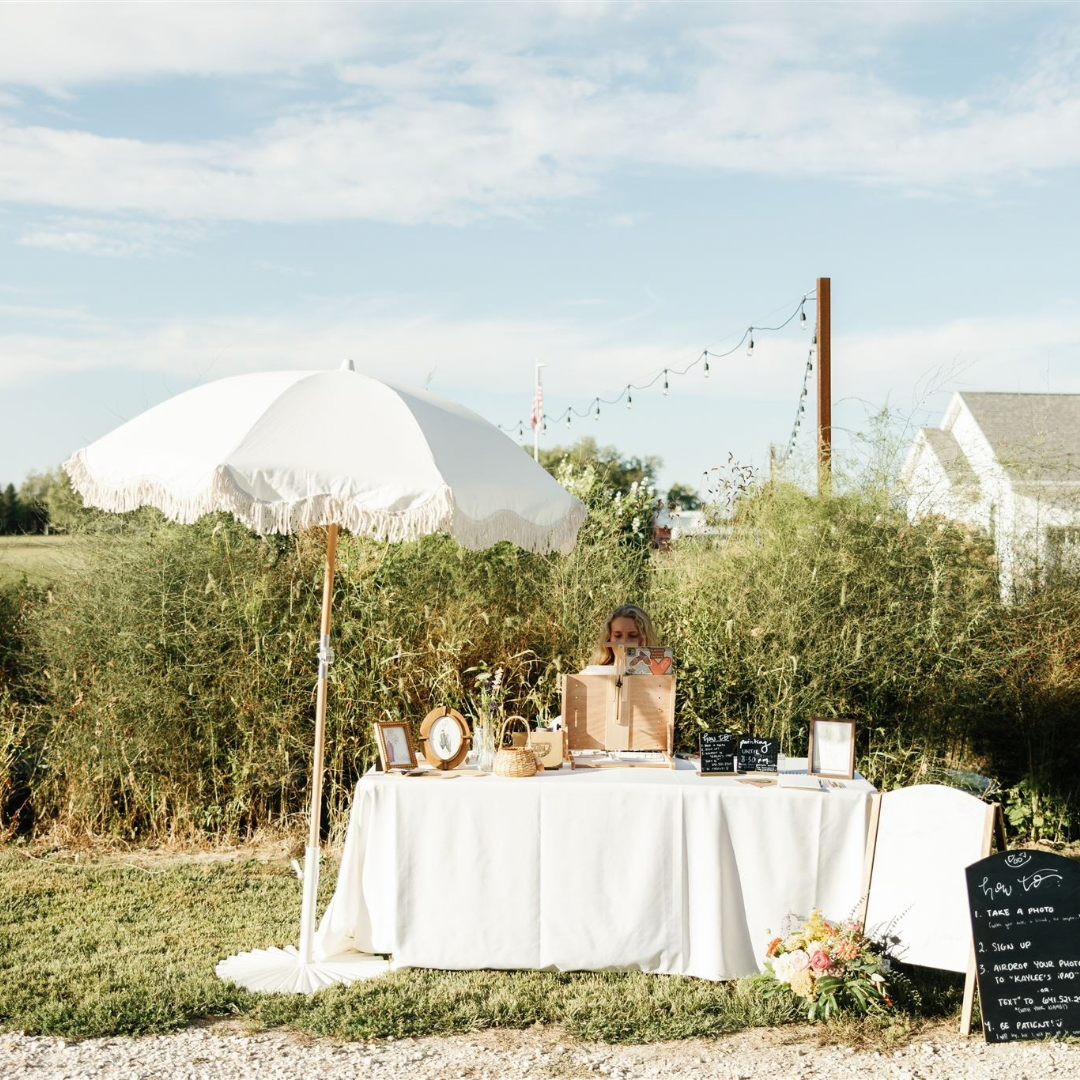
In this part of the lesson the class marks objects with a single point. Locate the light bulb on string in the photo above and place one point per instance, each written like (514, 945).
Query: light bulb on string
(750, 347)
(568, 421)
(543, 429)
(521, 433)
(802, 314)
(665, 381)
(596, 415)
(706, 363)
(629, 399)
(814, 339)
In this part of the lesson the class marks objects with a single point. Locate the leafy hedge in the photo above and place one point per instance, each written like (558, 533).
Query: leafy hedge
(168, 686)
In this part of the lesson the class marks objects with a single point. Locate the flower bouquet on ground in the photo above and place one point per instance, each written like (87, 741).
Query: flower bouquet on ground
(833, 968)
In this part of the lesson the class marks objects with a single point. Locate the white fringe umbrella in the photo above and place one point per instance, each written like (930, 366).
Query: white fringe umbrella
(286, 450)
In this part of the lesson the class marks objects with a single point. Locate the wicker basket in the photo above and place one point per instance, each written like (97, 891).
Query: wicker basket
(515, 760)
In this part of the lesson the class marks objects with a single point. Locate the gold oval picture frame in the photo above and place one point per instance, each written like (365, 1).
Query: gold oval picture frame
(445, 738)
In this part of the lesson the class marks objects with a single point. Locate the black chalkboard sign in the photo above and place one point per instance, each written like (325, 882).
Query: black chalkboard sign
(1025, 919)
(758, 755)
(718, 750)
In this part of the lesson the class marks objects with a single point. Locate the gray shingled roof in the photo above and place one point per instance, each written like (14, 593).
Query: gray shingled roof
(1035, 437)
(948, 452)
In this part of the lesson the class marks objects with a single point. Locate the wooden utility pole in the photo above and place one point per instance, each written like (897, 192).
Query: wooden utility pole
(824, 382)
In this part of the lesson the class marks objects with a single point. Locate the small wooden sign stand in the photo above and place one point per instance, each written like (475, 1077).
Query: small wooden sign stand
(993, 831)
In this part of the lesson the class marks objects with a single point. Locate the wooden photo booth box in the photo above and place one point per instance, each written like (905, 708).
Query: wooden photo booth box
(615, 714)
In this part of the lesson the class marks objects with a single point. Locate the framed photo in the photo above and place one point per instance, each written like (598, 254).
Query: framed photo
(832, 748)
(643, 660)
(445, 738)
(395, 745)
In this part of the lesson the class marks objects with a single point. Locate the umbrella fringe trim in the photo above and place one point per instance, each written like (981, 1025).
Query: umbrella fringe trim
(440, 513)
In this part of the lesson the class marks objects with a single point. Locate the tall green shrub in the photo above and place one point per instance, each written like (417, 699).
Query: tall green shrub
(178, 667)
(167, 685)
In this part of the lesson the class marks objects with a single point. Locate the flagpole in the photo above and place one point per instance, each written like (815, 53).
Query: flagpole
(538, 412)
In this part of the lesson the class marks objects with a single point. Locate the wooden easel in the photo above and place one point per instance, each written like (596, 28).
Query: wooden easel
(993, 830)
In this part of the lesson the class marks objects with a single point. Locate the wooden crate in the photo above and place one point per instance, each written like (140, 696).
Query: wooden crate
(614, 713)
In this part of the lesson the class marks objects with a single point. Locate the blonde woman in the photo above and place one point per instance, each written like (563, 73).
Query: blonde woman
(626, 625)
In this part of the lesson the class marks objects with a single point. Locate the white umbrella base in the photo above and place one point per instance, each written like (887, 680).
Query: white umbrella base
(281, 971)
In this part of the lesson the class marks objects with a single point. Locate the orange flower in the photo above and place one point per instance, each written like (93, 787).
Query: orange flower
(846, 950)
(771, 950)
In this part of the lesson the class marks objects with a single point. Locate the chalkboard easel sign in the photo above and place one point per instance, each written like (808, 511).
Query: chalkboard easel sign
(1025, 921)
(758, 755)
(718, 752)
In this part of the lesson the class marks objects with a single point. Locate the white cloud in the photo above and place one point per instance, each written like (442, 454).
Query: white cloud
(55, 47)
(112, 237)
(1037, 353)
(461, 115)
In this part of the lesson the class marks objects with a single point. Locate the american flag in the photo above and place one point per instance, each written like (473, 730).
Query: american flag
(537, 416)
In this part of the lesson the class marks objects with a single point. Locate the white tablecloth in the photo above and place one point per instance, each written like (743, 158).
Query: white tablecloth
(641, 869)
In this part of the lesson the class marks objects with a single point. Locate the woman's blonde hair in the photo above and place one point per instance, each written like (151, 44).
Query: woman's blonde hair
(604, 653)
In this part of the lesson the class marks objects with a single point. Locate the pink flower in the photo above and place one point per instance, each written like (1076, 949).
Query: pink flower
(820, 960)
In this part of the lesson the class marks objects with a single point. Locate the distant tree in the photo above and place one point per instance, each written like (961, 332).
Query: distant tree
(10, 511)
(681, 497)
(33, 495)
(615, 472)
(56, 503)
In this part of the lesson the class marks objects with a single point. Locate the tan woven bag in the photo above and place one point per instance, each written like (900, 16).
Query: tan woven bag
(515, 760)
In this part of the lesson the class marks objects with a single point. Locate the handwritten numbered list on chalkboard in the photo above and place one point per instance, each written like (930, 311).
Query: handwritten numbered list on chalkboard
(719, 751)
(1025, 919)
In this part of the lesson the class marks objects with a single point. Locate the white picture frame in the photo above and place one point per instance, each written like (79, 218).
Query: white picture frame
(832, 748)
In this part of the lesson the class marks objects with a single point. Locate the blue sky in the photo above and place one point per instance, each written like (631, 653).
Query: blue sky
(448, 193)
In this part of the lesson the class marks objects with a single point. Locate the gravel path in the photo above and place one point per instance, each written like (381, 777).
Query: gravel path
(226, 1050)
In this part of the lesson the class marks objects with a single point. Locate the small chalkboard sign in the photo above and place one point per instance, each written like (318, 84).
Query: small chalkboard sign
(758, 755)
(718, 750)
(1025, 919)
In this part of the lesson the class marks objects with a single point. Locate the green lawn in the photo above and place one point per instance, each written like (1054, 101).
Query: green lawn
(41, 558)
(93, 946)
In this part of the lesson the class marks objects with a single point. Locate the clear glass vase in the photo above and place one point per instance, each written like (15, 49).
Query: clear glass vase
(484, 744)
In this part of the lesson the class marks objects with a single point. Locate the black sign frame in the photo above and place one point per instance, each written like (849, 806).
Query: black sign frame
(724, 750)
(759, 755)
(1025, 924)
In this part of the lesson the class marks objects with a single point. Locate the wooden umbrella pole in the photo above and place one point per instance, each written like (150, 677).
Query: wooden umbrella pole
(311, 853)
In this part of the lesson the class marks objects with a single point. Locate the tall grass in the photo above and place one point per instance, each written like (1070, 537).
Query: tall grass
(166, 687)
(170, 688)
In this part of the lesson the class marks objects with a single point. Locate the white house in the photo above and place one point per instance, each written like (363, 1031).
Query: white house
(1008, 464)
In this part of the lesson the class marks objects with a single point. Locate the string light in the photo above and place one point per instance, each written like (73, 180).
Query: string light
(801, 411)
(664, 375)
